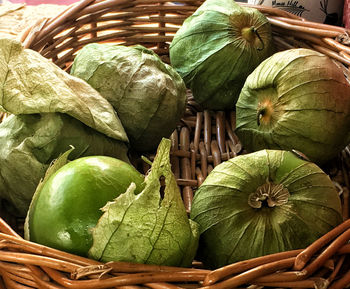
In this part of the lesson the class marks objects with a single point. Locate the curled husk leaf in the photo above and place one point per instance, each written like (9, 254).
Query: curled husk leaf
(217, 48)
(30, 83)
(297, 99)
(51, 111)
(148, 95)
(148, 228)
(263, 203)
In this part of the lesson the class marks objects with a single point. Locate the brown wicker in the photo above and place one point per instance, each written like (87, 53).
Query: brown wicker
(203, 140)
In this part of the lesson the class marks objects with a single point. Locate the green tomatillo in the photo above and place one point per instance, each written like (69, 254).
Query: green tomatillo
(217, 47)
(263, 203)
(66, 206)
(297, 99)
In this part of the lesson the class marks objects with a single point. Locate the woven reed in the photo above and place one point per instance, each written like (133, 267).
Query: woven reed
(203, 140)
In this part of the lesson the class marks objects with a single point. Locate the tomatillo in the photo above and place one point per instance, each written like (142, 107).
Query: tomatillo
(67, 206)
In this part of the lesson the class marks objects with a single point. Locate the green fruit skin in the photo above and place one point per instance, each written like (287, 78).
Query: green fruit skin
(308, 100)
(68, 205)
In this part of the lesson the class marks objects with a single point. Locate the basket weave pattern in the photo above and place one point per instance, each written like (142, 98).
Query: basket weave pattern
(202, 140)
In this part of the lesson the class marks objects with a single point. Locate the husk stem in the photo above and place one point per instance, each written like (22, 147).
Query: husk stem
(272, 194)
(260, 114)
(264, 113)
(250, 33)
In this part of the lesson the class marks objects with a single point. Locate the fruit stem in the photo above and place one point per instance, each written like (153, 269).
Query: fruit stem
(248, 34)
(260, 114)
(273, 194)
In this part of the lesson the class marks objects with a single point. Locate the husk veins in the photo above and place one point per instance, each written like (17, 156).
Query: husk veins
(148, 228)
(268, 201)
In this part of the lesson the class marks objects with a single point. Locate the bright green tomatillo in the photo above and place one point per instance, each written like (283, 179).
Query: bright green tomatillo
(67, 204)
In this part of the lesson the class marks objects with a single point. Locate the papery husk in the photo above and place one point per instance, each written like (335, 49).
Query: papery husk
(217, 47)
(296, 99)
(303, 204)
(29, 143)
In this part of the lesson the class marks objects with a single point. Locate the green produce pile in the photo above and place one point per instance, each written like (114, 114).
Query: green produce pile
(64, 151)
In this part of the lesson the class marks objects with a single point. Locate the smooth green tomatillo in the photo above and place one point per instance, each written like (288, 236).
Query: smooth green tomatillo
(67, 205)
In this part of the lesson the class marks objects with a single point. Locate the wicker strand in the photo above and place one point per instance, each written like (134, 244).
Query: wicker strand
(5, 228)
(129, 279)
(252, 274)
(310, 24)
(343, 282)
(306, 255)
(32, 247)
(327, 253)
(310, 283)
(336, 269)
(242, 266)
(43, 282)
(342, 237)
(162, 286)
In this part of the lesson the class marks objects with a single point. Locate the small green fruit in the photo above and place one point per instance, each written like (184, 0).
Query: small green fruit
(67, 207)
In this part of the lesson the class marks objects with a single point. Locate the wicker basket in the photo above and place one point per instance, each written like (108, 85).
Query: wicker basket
(203, 140)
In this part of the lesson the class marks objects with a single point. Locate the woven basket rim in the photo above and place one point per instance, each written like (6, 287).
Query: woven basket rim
(330, 40)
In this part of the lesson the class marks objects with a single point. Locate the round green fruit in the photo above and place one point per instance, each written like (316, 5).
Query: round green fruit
(263, 203)
(217, 47)
(148, 94)
(67, 207)
(298, 99)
